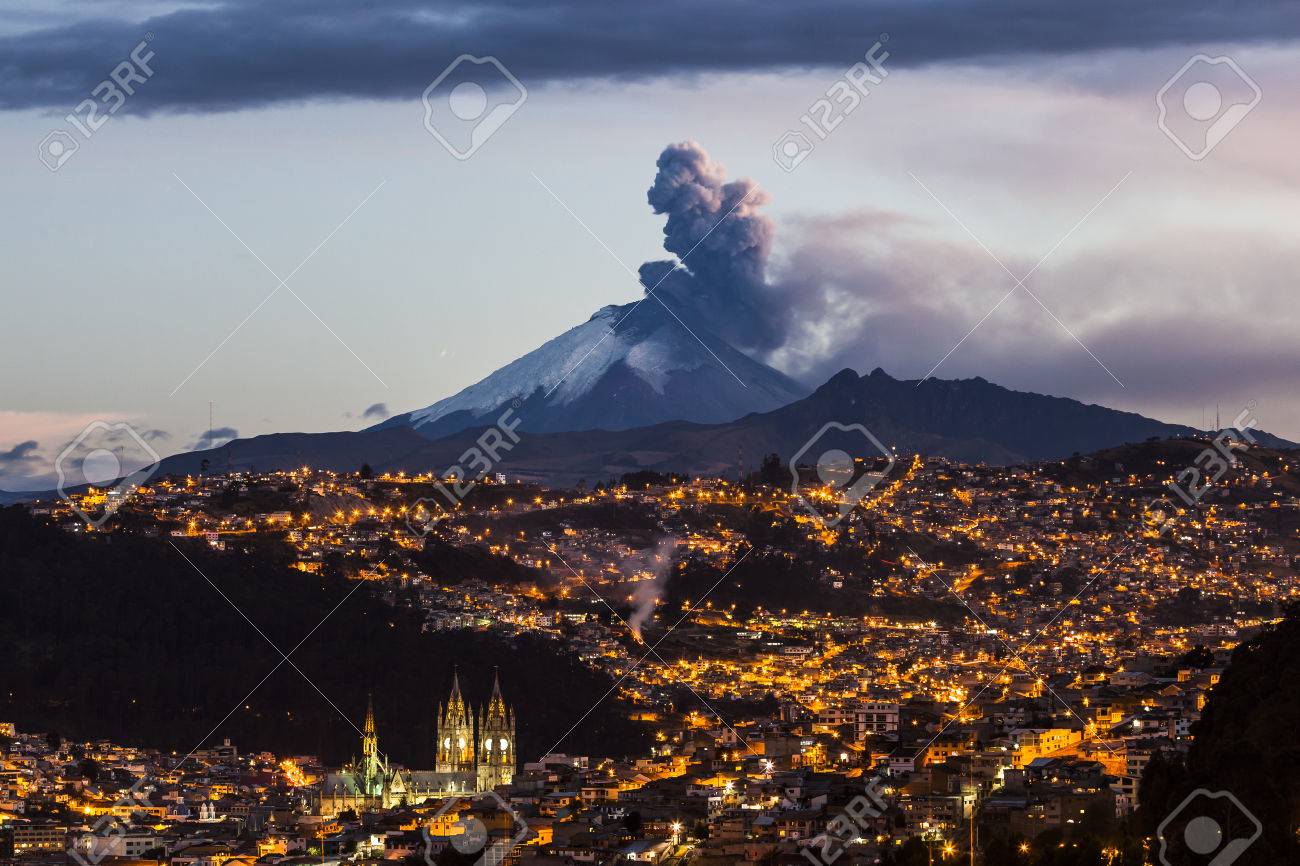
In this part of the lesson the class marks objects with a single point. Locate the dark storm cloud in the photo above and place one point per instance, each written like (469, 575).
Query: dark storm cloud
(239, 54)
(214, 437)
(23, 453)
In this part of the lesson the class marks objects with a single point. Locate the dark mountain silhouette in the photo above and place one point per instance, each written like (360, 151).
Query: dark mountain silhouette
(968, 419)
(1245, 744)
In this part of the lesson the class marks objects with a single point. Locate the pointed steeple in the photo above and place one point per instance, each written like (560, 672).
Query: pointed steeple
(496, 761)
(456, 702)
(369, 739)
(496, 708)
(455, 738)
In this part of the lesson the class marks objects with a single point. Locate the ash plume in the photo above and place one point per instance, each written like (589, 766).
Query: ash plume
(657, 560)
(722, 242)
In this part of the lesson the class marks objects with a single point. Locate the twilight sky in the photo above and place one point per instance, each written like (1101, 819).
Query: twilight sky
(1002, 134)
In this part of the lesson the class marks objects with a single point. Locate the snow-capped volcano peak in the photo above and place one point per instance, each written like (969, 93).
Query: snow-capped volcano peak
(626, 366)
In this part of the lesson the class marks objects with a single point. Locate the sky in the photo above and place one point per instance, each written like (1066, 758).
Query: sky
(266, 233)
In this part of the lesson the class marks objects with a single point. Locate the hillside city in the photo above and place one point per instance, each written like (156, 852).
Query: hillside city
(973, 656)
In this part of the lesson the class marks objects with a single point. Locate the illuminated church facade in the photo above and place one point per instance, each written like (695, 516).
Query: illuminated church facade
(475, 753)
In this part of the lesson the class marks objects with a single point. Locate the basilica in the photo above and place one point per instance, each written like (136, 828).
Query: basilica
(475, 752)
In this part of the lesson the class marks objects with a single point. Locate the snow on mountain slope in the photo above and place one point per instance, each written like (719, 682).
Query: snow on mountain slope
(626, 366)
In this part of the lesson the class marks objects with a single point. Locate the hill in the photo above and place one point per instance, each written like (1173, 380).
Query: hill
(119, 637)
(1245, 743)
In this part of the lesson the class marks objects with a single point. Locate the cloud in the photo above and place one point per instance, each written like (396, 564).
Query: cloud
(29, 469)
(242, 53)
(214, 438)
(155, 435)
(376, 410)
(22, 454)
(1175, 314)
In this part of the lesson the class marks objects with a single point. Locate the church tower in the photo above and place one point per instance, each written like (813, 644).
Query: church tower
(372, 770)
(496, 747)
(455, 746)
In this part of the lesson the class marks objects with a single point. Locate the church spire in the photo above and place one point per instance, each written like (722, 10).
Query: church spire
(496, 757)
(456, 702)
(369, 739)
(455, 743)
(496, 708)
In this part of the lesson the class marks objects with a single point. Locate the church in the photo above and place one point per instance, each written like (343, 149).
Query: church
(475, 753)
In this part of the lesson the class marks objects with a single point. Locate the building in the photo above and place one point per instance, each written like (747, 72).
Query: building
(876, 717)
(41, 836)
(496, 729)
(475, 753)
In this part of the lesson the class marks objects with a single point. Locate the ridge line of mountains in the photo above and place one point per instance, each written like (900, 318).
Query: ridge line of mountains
(971, 420)
(631, 389)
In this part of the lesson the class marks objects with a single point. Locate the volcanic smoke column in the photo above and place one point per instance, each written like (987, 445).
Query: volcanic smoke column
(722, 243)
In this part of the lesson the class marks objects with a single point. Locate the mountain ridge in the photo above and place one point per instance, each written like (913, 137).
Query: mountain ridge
(971, 420)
